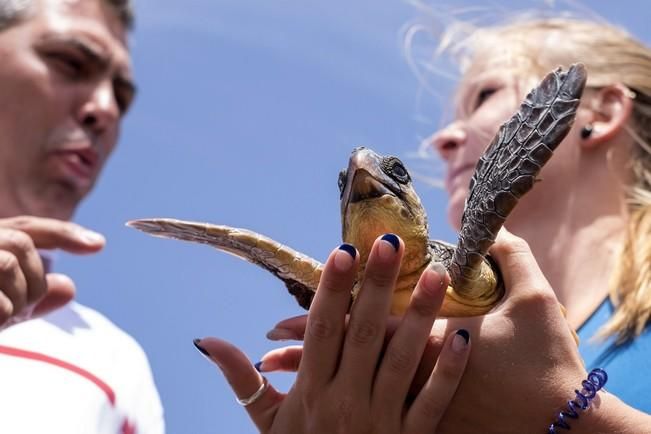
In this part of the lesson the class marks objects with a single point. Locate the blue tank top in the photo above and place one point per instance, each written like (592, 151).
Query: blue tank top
(628, 366)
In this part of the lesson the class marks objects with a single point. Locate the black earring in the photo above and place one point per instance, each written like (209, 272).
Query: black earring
(586, 131)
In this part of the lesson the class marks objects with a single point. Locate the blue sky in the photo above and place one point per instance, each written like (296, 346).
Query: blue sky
(247, 111)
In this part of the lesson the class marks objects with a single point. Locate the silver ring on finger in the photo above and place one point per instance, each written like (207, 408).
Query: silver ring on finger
(256, 395)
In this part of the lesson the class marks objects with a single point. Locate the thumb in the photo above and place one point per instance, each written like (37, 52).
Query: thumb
(518, 266)
(243, 379)
(291, 328)
(60, 291)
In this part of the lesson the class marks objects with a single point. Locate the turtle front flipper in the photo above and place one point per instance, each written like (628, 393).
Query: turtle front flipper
(300, 273)
(507, 170)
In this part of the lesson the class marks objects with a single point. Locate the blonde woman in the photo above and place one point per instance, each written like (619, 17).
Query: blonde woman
(588, 222)
(588, 225)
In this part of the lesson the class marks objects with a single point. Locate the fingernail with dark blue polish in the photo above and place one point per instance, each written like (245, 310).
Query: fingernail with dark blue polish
(393, 239)
(258, 366)
(349, 249)
(464, 334)
(200, 348)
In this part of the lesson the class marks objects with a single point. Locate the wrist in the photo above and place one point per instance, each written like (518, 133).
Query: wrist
(581, 404)
(612, 415)
(608, 414)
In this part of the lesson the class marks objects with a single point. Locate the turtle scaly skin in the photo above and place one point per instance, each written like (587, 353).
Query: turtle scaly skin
(377, 197)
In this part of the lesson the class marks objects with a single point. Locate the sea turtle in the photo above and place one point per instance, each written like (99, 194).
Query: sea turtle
(377, 197)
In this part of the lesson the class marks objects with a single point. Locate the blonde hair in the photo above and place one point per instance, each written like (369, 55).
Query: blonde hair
(611, 56)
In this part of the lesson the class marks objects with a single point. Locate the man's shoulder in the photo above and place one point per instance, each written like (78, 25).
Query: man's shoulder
(73, 326)
(75, 314)
(80, 347)
(90, 324)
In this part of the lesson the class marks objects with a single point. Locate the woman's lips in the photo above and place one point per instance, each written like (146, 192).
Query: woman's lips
(456, 175)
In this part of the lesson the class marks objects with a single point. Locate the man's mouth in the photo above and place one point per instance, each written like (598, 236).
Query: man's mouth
(82, 163)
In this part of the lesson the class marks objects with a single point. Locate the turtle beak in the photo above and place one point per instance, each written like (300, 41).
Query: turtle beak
(363, 174)
(365, 186)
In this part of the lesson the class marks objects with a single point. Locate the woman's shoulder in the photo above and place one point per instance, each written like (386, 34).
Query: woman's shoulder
(626, 364)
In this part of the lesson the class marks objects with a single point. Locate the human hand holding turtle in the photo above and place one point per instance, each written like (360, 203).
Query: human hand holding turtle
(348, 381)
(377, 197)
(518, 377)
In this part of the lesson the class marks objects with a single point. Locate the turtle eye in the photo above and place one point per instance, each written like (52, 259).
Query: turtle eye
(342, 182)
(395, 169)
(399, 171)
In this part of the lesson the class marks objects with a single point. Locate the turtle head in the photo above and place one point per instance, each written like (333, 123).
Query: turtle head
(377, 197)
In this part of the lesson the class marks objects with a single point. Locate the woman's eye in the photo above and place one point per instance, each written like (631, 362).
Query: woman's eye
(484, 95)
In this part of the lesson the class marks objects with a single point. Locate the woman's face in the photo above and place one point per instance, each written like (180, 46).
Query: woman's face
(487, 96)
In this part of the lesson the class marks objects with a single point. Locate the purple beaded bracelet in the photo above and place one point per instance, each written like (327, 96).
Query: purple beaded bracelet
(597, 378)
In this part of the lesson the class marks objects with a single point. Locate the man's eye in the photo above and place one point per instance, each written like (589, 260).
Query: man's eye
(484, 95)
(123, 100)
(67, 64)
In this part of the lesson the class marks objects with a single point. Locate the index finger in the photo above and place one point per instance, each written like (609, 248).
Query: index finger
(50, 233)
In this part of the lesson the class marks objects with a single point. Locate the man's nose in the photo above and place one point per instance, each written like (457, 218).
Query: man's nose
(449, 140)
(99, 111)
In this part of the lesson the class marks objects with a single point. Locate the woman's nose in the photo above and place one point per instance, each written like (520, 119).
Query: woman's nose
(448, 140)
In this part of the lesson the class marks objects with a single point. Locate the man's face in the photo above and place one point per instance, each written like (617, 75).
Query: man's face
(65, 82)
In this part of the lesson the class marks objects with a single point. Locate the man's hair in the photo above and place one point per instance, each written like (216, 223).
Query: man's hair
(12, 11)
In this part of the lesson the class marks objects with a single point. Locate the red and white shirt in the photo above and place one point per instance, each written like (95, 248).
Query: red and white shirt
(75, 372)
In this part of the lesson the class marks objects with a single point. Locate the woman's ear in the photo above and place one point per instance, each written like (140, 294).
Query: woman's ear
(611, 108)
